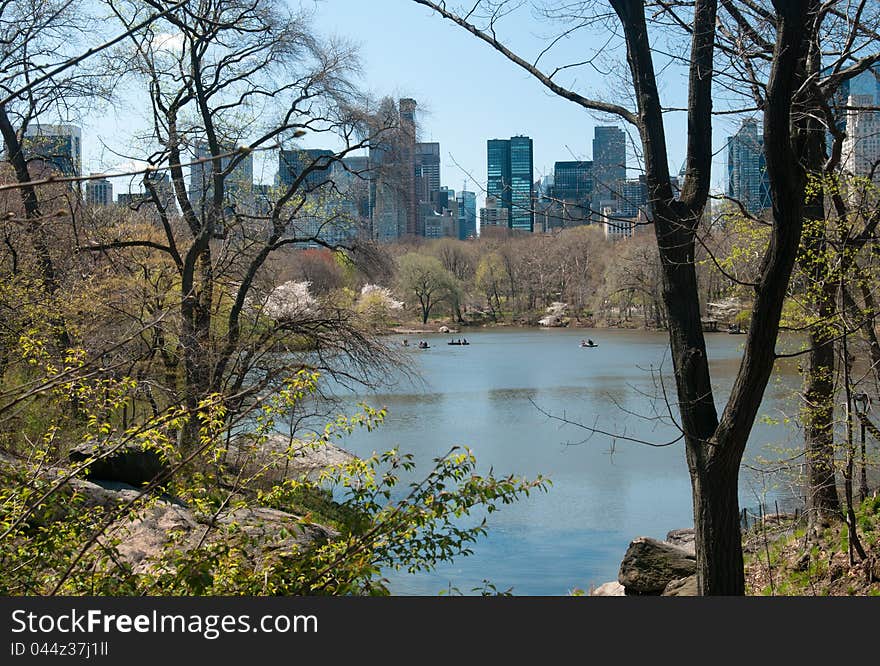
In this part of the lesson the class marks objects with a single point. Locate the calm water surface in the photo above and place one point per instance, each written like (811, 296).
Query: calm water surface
(604, 492)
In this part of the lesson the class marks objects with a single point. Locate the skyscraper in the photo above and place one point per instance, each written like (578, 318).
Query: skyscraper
(467, 214)
(572, 192)
(747, 180)
(237, 185)
(59, 146)
(510, 167)
(522, 215)
(498, 170)
(609, 165)
(861, 147)
(414, 227)
(99, 191)
(291, 163)
(427, 171)
(394, 202)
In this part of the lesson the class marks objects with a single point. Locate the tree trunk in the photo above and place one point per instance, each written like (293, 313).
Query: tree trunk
(717, 527)
(822, 500)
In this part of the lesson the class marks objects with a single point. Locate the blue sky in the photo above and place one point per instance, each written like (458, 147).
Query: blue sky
(467, 92)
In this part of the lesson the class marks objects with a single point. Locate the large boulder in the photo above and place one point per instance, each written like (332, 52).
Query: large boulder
(145, 525)
(125, 463)
(684, 538)
(650, 565)
(269, 531)
(609, 589)
(280, 458)
(682, 587)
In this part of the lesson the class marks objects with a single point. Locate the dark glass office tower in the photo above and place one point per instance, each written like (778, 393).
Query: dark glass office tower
(609, 164)
(498, 185)
(522, 215)
(510, 168)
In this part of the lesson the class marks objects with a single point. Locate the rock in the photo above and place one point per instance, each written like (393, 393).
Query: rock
(146, 525)
(684, 538)
(680, 537)
(154, 528)
(649, 565)
(279, 458)
(131, 464)
(555, 316)
(609, 589)
(682, 587)
(269, 531)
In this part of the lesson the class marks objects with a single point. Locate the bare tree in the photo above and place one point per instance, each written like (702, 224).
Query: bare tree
(714, 446)
(227, 81)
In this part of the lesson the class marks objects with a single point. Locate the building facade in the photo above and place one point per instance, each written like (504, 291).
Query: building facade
(467, 214)
(510, 170)
(747, 180)
(571, 194)
(99, 191)
(59, 146)
(493, 215)
(237, 185)
(861, 147)
(609, 166)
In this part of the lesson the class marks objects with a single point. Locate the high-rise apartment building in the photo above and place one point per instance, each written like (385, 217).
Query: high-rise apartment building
(510, 168)
(58, 146)
(493, 216)
(99, 191)
(747, 180)
(609, 165)
(395, 207)
(414, 222)
(861, 147)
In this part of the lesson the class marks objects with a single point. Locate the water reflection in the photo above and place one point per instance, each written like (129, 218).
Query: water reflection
(605, 490)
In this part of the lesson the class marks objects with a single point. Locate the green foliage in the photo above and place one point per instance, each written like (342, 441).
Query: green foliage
(340, 529)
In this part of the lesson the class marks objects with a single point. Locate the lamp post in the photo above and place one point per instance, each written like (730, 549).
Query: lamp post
(862, 404)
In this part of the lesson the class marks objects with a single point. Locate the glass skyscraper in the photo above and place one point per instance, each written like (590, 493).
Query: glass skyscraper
(609, 164)
(747, 180)
(498, 185)
(510, 167)
(467, 214)
(59, 146)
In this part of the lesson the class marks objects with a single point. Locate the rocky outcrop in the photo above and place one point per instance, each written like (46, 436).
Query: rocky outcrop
(609, 589)
(682, 587)
(269, 531)
(147, 524)
(279, 458)
(556, 315)
(650, 565)
(684, 538)
(125, 463)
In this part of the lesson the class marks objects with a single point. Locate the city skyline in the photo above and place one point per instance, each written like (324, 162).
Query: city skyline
(460, 122)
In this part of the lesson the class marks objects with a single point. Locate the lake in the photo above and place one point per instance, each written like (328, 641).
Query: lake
(605, 491)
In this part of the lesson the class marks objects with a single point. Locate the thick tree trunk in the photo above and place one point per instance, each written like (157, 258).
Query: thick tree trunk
(717, 526)
(822, 500)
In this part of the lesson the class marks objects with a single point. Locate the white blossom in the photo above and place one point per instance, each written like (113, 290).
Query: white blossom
(289, 300)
